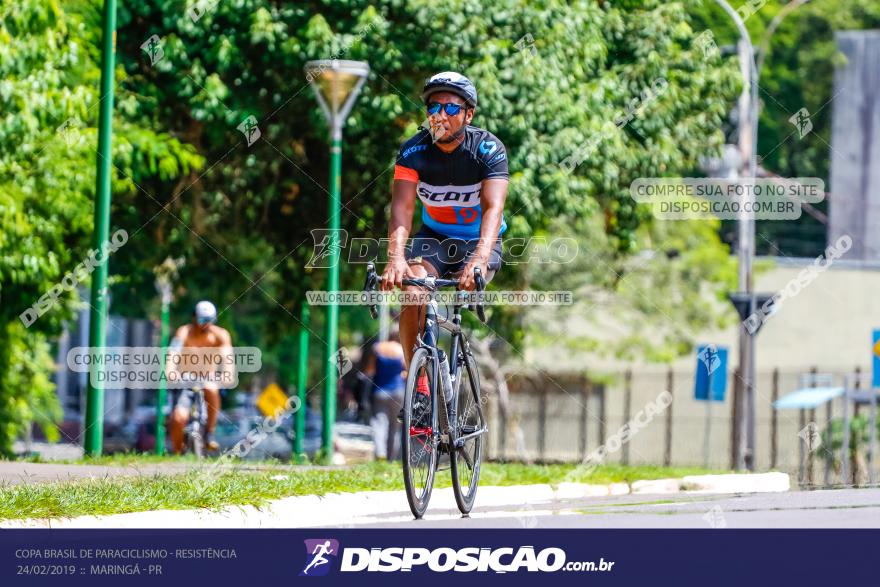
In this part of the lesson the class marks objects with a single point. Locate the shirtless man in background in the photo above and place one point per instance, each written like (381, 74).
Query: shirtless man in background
(201, 333)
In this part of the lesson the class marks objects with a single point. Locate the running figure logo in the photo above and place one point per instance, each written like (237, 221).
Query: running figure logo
(325, 246)
(801, 121)
(317, 551)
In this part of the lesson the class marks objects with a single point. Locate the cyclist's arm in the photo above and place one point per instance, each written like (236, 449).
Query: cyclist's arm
(492, 198)
(403, 204)
(174, 349)
(228, 359)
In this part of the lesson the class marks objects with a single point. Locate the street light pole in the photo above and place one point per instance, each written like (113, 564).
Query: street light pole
(302, 375)
(748, 142)
(336, 84)
(331, 380)
(94, 424)
(166, 273)
(161, 395)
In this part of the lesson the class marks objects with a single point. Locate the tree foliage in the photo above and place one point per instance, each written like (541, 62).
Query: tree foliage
(798, 72)
(551, 75)
(48, 110)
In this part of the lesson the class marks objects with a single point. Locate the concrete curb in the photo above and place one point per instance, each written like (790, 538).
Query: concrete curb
(351, 509)
(734, 483)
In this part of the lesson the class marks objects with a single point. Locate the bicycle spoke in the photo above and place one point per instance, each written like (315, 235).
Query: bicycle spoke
(468, 459)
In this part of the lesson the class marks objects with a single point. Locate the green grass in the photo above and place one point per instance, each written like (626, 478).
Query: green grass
(518, 473)
(193, 490)
(126, 459)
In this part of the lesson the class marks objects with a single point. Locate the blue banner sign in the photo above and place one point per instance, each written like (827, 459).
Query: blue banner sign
(711, 372)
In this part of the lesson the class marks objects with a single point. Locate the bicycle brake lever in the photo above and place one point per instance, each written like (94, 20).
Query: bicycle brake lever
(481, 286)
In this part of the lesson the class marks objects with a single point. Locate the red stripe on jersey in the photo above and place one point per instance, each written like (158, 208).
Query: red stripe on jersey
(405, 173)
(444, 214)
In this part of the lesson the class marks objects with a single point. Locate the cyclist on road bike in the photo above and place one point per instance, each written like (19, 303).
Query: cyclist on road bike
(459, 173)
(202, 332)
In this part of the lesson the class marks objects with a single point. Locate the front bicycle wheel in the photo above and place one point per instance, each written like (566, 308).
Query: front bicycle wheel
(418, 441)
(466, 459)
(196, 442)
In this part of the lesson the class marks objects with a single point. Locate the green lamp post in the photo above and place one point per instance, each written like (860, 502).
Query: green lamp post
(93, 435)
(336, 84)
(166, 273)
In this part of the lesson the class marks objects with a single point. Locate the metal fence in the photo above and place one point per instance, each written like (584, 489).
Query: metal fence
(562, 418)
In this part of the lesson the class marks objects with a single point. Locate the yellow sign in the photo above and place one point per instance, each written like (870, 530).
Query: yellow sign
(877, 348)
(272, 400)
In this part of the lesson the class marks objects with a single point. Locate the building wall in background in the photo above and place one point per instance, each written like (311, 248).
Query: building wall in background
(827, 325)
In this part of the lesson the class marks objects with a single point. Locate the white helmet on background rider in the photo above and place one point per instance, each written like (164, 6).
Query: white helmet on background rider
(205, 313)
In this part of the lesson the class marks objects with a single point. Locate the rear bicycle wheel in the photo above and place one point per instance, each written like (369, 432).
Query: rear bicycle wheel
(465, 460)
(418, 442)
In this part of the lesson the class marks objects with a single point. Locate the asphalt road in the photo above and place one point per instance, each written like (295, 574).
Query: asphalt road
(19, 472)
(839, 508)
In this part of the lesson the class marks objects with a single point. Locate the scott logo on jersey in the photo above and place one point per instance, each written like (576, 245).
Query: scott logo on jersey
(451, 204)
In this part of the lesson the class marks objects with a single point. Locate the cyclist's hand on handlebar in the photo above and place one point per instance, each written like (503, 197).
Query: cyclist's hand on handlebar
(394, 273)
(466, 280)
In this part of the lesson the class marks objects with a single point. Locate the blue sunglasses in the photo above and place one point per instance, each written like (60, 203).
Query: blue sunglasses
(450, 108)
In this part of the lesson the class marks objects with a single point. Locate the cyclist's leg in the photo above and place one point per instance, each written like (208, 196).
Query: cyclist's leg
(412, 316)
(212, 398)
(212, 403)
(426, 256)
(179, 418)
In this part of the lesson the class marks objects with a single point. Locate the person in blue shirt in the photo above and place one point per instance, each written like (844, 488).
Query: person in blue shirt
(385, 368)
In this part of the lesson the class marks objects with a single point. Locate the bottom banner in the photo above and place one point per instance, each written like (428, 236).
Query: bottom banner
(433, 556)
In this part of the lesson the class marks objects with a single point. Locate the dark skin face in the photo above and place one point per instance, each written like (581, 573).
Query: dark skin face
(446, 129)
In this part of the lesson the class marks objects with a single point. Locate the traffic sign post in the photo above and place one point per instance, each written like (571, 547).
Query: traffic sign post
(747, 304)
(710, 383)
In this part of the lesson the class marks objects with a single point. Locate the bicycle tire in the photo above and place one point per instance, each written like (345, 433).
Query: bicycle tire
(197, 437)
(419, 484)
(196, 444)
(465, 462)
